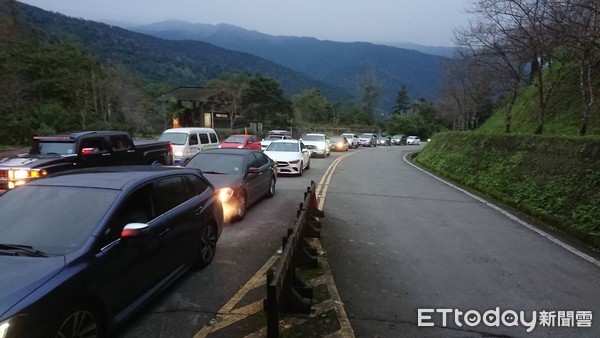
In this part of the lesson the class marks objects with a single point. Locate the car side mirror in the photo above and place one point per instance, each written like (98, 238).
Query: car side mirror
(133, 230)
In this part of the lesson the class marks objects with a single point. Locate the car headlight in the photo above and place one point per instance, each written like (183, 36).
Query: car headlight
(4, 329)
(240, 146)
(224, 195)
(178, 153)
(18, 174)
(294, 162)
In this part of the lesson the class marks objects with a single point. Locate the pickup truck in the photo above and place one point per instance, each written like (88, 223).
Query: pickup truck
(50, 154)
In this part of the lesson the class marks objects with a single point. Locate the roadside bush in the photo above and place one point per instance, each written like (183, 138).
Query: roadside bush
(555, 179)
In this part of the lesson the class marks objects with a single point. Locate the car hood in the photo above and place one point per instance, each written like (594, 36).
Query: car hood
(221, 181)
(283, 155)
(313, 143)
(30, 161)
(23, 275)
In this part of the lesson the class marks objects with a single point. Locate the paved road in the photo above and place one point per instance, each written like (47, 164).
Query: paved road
(243, 249)
(398, 240)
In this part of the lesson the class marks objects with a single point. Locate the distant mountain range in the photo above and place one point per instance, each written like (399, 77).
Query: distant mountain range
(181, 53)
(335, 63)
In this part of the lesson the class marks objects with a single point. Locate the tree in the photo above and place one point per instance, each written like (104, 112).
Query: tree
(576, 23)
(370, 91)
(402, 102)
(311, 106)
(229, 92)
(265, 102)
(520, 25)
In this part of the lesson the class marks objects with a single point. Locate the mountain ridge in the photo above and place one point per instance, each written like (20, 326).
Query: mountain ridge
(158, 59)
(324, 60)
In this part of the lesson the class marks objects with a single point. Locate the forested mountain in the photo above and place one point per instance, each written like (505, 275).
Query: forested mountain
(175, 62)
(336, 63)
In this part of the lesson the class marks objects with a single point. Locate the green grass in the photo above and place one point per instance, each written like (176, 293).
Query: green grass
(555, 179)
(564, 109)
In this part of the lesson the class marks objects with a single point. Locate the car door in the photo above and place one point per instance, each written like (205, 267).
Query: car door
(123, 152)
(93, 152)
(305, 153)
(253, 179)
(266, 172)
(193, 146)
(127, 268)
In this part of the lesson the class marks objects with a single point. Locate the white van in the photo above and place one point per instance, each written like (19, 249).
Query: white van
(189, 141)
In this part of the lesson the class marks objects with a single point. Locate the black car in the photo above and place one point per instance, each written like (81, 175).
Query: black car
(82, 251)
(243, 177)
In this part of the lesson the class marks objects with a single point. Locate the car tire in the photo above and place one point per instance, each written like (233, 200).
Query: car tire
(207, 246)
(308, 165)
(242, 205)
(81, 320)
(271, 189)
(300, 169)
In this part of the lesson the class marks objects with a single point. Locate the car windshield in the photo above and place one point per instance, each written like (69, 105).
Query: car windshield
(397, 137)
(175, 138)
(313, 138)
(283, 146)
(208, 162)
(235, 139)
(46, 148)
(337, 139)
(365, 135)
(54, 220)
(275, 137)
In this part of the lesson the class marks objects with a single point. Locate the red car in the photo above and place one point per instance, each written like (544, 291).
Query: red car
(241, 141)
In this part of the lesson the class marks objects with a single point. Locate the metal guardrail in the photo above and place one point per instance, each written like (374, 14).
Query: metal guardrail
(285, 291)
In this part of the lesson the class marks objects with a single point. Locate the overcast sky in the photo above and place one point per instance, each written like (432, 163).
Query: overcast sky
(427, 22)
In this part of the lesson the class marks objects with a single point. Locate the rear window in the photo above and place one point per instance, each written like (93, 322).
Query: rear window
(314, 138)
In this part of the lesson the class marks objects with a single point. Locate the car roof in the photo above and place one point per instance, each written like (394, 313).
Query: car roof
(286, 141)
(229, 151)
(244, 135)
(117, 177)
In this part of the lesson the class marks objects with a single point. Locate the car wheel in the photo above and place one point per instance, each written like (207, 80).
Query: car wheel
(308, 165)
(242, 204)
(208, 246)
(300, 169)
(80, 321)
(271, 191)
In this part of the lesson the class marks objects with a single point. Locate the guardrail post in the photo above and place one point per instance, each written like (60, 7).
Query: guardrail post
(285, 291)
(272, 307)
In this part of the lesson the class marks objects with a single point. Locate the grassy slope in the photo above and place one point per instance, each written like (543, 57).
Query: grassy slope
(556, 179)
(564, 109)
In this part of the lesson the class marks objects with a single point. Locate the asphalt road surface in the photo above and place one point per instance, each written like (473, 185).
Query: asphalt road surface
(398, 240)
(244, 247)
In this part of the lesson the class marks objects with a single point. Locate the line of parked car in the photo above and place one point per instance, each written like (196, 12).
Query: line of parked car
(119, 234)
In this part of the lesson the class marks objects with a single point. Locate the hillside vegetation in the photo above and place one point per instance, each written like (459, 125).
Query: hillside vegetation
(555, 179)
(564, 109)
(174, 62)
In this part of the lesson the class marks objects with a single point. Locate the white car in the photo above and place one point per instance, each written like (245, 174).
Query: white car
(267, 140)
(352, 139)
(291, 156)
(318, 144)
(413, 140)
